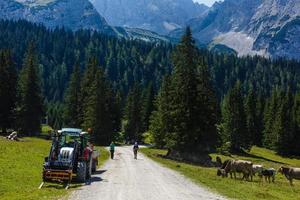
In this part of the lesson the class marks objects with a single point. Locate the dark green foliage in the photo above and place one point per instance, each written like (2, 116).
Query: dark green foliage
(8, 78)
(284, 126)
(133, 114)
(30, 106)
(186, 115)
(186, 108)
(184, 104)
(294, 146)
(234, 119)
(259, 122)
(271, 111)
(54, 115)
(148, 107)
(72, 103)
(251, 115)
(96, 101)
(160, 120)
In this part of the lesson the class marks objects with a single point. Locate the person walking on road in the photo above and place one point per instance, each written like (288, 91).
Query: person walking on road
(135, 150)
(112, 150)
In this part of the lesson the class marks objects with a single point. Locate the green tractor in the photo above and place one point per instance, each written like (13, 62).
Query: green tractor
(71, 156)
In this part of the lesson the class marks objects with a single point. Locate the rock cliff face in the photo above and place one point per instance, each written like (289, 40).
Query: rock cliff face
(161, 16)
(263, 27)
(72, 14)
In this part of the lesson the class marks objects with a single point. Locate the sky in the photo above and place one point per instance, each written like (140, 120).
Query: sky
(207, 2)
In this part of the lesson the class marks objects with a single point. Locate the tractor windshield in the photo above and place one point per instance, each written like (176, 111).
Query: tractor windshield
(68, 139)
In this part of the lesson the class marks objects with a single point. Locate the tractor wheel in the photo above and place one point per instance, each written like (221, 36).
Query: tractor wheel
(81, 172)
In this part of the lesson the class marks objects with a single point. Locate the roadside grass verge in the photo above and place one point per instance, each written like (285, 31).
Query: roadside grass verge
(237, 189)
(21, 166)
(104, 155)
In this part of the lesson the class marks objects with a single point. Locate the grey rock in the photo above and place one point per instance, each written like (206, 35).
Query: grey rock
(161, 16)
(265, 27)
(72, 14)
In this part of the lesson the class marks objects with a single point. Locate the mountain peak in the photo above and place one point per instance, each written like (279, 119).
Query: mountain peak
(72, 14)
(161, 16)
(263, 27)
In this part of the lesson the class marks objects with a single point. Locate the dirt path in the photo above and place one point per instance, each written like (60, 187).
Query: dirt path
(126, 179)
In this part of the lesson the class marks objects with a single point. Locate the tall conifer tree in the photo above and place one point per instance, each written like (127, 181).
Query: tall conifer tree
(7, 90)
(30, 105)
(72, 99)
(234, 119)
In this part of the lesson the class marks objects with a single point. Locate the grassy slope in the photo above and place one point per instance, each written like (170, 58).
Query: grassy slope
(21, 168)
(238, 189)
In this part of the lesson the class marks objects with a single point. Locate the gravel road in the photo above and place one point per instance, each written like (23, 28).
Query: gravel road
(126, 179)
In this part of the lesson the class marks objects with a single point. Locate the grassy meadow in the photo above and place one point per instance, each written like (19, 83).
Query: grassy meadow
(238, 189)
(21, 170)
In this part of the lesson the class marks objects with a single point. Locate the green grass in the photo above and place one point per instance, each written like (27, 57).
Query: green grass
(21, 170)
(104, 155)
(46, 129)
(237, 189)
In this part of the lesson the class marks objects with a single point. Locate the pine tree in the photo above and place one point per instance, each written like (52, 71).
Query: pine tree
(194, 107)
(250, 112)
(271, 111)
(30, 105)
(133, 114)
(160, 119)
(147, 107)
(72, 102)
(96, 109)
(209, 111)
(184, 96)
(284, 125)
(7, 90)
(260, 108)
(294, 146)
(86, 83)
(234, 120)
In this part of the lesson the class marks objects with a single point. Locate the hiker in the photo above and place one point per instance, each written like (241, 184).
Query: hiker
(112, 150)
(135, 149)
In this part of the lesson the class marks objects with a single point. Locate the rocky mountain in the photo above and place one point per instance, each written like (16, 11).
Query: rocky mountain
(265, 27)
(161, 16)
(72, 14)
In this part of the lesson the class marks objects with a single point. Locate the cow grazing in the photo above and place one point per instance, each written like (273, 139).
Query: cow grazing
(268, 174)
(257, 169)
(239, 166)
(290, 173)
(221, 171)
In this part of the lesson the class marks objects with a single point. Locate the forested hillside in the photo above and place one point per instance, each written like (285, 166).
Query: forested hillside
(91, 80)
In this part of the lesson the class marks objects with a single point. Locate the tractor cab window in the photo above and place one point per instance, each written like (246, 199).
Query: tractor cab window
(68, 139)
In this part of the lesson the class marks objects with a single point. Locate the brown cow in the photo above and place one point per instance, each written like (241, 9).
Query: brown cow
(221, 171)
(290, 173)
(239, 166)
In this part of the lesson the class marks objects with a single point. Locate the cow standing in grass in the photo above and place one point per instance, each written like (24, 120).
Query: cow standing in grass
(239, 166)
(268, 174)
(290, 173)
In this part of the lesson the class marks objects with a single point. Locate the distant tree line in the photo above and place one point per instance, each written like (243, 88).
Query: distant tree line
(189, 99)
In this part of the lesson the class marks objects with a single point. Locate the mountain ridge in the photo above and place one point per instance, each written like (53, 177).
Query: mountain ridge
(256, 27)
(160, 16)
